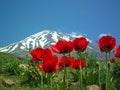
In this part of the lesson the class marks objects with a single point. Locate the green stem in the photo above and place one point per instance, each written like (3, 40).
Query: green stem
(51, 82)
(107, 78)
(65, 74)
(99, 77)
(42, 81)
(80, 78)
(107, 71)
(106, 87)
(81, 85)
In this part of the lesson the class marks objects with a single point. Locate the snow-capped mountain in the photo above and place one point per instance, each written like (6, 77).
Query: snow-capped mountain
(41, 39)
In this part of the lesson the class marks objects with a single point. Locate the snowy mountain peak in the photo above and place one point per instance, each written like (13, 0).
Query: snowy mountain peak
(44, 39)
(41, 39)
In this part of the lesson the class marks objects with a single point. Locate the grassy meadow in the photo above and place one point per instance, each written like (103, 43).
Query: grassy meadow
(20, 74)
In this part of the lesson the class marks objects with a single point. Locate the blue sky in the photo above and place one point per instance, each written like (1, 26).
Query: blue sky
(21, 18)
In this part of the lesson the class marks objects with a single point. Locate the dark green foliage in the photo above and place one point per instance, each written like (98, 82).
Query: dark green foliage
(75, 75)
(90, 76)
(31, 78)
(116, 74)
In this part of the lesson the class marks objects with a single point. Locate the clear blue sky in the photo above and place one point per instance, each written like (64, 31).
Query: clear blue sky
(21, 18)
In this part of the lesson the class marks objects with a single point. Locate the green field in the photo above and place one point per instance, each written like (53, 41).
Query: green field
(20, 74)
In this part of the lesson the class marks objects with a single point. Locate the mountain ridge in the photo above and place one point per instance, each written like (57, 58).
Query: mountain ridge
(41, 39)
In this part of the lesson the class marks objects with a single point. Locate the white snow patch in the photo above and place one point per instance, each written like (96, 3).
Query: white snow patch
(4, 50)
(40, 33)
(66, 38)
(28, 42)
(54, 36)
(13, 48)
(22, 47)
(53, 43)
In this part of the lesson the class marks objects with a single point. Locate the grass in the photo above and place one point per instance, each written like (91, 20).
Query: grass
(25, 77)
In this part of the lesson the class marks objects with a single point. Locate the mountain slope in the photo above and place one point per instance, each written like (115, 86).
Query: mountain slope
(42, 39)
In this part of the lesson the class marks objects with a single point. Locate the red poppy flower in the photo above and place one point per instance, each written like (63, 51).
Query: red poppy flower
(36, 53)
(117, 54)
(77, 63)
(62, 47)
(40, 53)
(46, 53)
(112, 60)
(83, 63)
(106, 43)
(67, 59)
(50, 65)
(80, 44)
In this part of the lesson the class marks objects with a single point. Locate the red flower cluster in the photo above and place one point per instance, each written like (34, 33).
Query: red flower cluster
(50, 65)
(117, 54)
(112, 60)
(64, 60)
(62, 47)
(40, 53)
(106, 43)
(49, 62)
(80, 44)
(77, 63)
